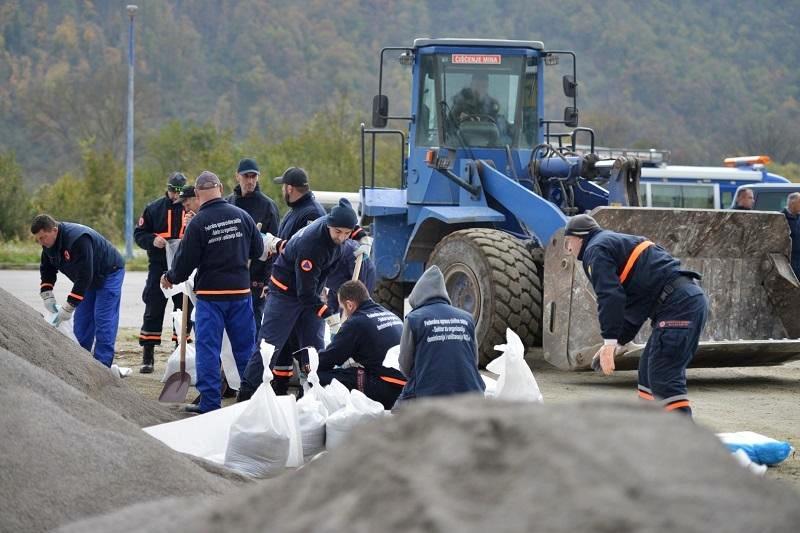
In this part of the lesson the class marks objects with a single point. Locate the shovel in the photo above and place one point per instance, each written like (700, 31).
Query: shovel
(177, 385)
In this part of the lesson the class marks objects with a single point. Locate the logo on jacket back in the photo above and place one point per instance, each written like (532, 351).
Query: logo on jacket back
(66, 255)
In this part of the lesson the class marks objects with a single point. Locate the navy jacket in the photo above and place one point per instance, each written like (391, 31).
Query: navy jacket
(303, 267)
(365, 337)
(438, 352)
(81, 254)
(343, 271)
(218, 242)
(262, 210)
(794, 232)
(624, 306)
(306, 209)
(161, 218)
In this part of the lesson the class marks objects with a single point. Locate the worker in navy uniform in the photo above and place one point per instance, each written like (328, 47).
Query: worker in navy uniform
(303, 207)
(792, 214)
(294, 300)
(368, 331)
(438, 349)
(96, 270)
(634, 279)
(161, 221)
(219, 241)
(343, 272)
(248, 196)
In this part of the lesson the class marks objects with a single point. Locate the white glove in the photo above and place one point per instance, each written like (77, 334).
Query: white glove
(64, 314)
(625, 348)
(334, 323)
(270, 245)
(49, 301)
(364, 246)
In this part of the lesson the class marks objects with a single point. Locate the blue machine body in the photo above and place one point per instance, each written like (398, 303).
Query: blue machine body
(490, 183)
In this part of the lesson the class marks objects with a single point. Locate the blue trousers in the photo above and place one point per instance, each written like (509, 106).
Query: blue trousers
(211, 317)
(96, 318)
(284, 316)
(677, 325)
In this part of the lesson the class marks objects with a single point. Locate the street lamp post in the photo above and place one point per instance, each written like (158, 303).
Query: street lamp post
(129, 150)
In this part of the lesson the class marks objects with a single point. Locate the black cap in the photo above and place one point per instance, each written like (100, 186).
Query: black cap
(247, 166)
(177, 181)
(294, 176)
(207, 180)
(343, 215)
(188, 192)
(581, 226)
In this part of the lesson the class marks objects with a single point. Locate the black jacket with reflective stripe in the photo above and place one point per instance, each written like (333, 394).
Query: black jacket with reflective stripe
(161, 218)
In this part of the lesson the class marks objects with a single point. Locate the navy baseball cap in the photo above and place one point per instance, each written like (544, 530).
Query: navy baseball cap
(294, 176)
(247, 166)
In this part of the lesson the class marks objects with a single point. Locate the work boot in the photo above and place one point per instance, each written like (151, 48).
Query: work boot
(147, 360)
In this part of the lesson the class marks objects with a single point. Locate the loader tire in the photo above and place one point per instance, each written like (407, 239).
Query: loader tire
(493, 276)
(392, 295)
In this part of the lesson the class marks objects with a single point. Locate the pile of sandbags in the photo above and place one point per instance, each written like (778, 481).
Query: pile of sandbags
(467, 464)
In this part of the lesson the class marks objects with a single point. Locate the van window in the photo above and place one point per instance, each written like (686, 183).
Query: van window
(691, 196)
(770, 200)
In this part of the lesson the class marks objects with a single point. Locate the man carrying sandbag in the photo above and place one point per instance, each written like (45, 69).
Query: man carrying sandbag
(219, 242)
(438, 351)
(367, 333)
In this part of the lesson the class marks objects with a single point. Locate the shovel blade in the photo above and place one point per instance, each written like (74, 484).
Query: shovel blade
(176, 388)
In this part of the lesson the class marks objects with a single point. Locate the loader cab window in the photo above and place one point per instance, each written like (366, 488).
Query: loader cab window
(464, 104)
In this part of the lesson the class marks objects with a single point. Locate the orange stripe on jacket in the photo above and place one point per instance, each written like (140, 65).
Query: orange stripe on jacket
(278, 283)
(641, 247)
(396, 381)
(47, 285)
(322, 310)
(234, 291)
(283, 373)
(76, 296)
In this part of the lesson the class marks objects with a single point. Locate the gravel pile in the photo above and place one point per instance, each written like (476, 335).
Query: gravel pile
(64, 457)
(24, 332)
(476, 465)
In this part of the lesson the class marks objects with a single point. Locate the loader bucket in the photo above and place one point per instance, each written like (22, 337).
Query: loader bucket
(743, 257)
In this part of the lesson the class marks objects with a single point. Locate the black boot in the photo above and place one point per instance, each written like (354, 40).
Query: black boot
(147, 360)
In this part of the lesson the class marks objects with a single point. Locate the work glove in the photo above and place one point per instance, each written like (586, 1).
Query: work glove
(364, 247)
(334, 323)
(270, 245)
(64, 314)
(49, 301)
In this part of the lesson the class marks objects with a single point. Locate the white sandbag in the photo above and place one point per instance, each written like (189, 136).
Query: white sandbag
(491, 386)
(515, 381)
(259, 441)
(359, 409)
(171, 249)
(229, 363)
(759, 448)
(311, 415)
(392, 358)
(174, 364)
(333, 396)
(65, 327)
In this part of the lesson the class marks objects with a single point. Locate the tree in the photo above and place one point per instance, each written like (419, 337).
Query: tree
(15, 207)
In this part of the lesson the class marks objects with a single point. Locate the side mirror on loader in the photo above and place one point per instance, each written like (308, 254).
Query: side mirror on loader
(571, 117)
(570, 86)
(380, 111)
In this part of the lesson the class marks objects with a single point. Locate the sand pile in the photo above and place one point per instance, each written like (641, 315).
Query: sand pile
(476, 465)
(24, 333)
(63, 456)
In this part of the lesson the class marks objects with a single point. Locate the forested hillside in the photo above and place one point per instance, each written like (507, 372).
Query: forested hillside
(702, 78)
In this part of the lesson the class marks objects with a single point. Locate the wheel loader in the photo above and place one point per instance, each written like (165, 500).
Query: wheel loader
(487, 183)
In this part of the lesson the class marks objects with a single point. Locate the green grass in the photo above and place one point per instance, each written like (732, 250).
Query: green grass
(21, 254)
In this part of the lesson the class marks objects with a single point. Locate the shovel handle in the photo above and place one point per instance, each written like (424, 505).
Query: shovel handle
(357, 269)
(184, 328)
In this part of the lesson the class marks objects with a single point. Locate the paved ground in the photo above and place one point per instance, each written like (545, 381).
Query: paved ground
(24, 284)
(761, 399)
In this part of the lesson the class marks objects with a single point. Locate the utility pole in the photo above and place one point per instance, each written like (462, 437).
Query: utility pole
(129, 151)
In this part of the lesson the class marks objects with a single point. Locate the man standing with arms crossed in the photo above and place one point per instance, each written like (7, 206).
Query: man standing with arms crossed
(247, 195)
(219, 242)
